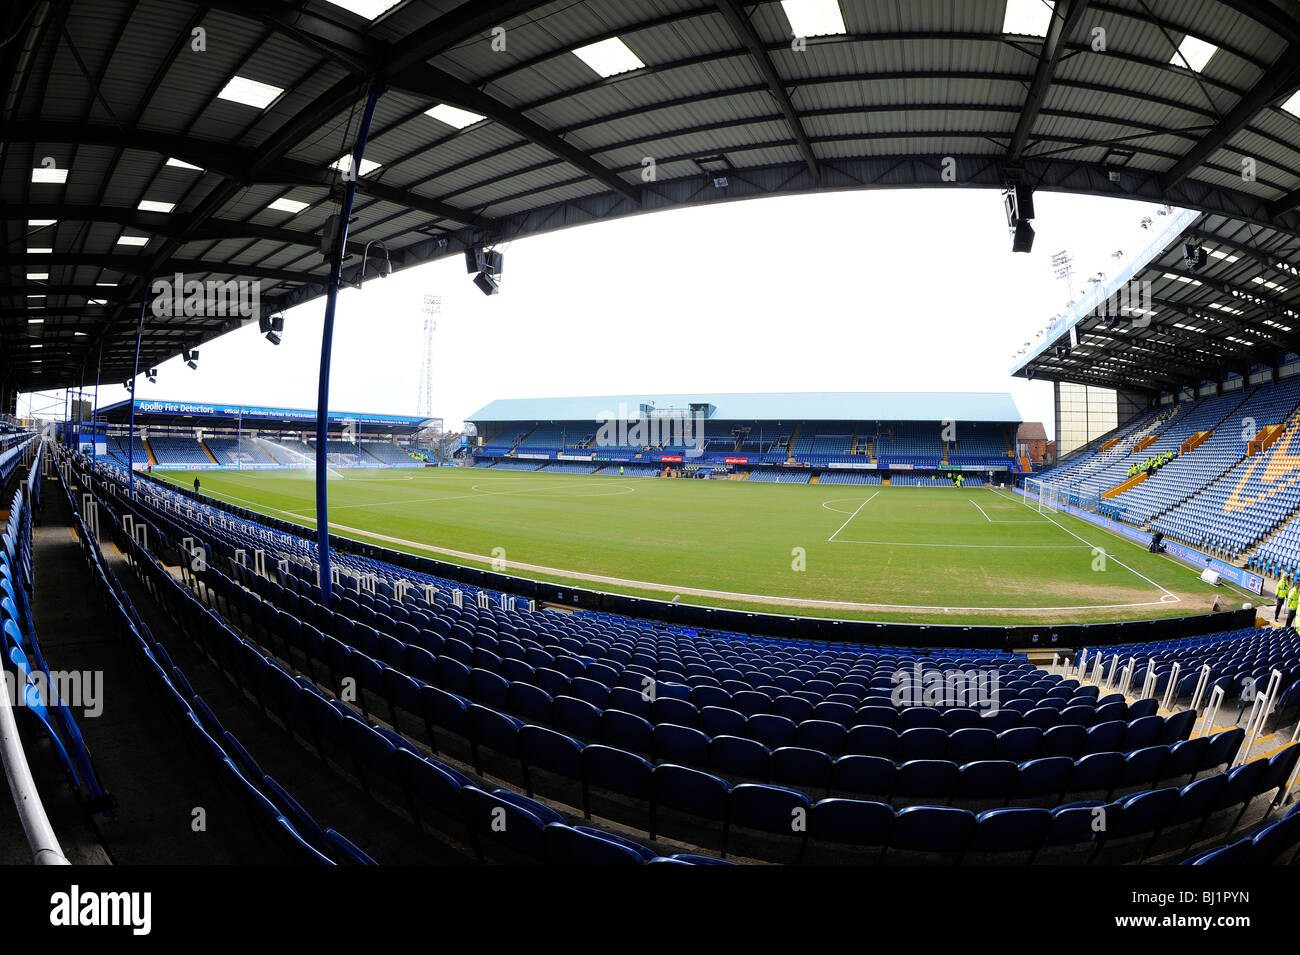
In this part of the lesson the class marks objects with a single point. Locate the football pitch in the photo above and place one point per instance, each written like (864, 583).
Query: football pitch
(938, 555)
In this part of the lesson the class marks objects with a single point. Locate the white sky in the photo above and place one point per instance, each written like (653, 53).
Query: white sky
(902, 290)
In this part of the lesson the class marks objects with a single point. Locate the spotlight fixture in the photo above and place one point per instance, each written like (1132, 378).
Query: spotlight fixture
(129, 385)
(192, 358)
(1194, 257)
(384, 266)
(152, 375)
(272, 326)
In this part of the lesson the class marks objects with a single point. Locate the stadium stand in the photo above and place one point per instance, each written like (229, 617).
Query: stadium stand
(233, 452)
(780, 477)
(389, 454)
(118, 448)
(848, 477)
(570, 468)
(614, 469)
(177, 449)
(741, 729)
(902, 479)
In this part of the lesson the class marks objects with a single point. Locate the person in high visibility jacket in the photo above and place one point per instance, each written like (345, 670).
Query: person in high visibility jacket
(1283, 586)
(1292, 602)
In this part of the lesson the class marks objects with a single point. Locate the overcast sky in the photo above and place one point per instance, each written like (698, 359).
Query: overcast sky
(905, 290)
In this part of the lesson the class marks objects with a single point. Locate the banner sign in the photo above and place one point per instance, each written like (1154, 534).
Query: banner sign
(735, 460)
(197, 410)
(574, 457)
(671, 458)
(852, 465)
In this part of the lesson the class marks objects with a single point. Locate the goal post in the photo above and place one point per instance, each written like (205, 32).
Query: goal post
(1043, 496)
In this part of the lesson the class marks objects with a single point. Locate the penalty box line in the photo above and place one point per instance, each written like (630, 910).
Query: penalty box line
(1168, 593)
(991, 520)
(851, 516)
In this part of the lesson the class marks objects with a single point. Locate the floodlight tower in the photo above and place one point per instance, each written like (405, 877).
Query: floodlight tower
(1063, 264)
(432, 308)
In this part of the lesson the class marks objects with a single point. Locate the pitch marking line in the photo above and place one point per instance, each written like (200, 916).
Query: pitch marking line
(991, 520)
(851, 516)
(694, 591)
(1169, 596)
(722, 594)
(844, 540)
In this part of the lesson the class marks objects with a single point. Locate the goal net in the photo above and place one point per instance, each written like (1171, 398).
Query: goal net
(1044, 496)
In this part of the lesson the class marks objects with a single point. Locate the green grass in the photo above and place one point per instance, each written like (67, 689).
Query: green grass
(890, 553)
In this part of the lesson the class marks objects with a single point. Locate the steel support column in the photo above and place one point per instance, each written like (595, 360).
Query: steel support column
(135, 373)
(326, 344)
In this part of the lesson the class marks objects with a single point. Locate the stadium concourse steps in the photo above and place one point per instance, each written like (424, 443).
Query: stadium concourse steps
(427, 664)
(36, 703)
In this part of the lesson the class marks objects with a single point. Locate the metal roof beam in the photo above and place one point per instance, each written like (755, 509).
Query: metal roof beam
(403, 66)
(141, 266)
(437, 84)
(165, 223)
(1065, 17)
(1280, 78)
(452, 28)
(236, 165)
(743, 27)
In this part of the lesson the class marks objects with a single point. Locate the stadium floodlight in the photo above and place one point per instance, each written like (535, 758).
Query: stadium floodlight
(1194, 257)
(192, 359)
(152, 375)
(129, 385)
(271, 326)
